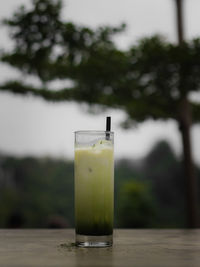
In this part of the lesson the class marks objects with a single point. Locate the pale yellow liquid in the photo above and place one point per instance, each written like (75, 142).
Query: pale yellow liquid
(94, 190)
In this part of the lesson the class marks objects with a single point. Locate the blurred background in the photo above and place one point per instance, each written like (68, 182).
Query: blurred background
(67, 65)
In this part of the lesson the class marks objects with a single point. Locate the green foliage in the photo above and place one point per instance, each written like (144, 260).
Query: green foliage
(149, 80)
(9, 202)
(163, 170)
(137, 208)
(40, 192)
(48, 47)
(35, 33)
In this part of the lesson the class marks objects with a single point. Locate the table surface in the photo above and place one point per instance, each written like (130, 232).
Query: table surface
(131, 248)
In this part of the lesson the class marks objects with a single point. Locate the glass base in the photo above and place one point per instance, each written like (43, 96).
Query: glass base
(89, 241)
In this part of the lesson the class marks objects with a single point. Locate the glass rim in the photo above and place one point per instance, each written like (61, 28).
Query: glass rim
(93, 132)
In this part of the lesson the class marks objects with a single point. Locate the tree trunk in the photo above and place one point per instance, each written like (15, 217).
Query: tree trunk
(190, 179)
(185, 126)
(179, 18)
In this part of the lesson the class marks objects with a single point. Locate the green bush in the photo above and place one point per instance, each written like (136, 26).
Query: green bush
(136, 207)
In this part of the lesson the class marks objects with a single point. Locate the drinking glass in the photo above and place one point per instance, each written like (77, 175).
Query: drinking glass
(94, 188)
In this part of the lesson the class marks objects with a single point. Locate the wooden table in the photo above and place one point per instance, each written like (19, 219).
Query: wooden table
(131, 248)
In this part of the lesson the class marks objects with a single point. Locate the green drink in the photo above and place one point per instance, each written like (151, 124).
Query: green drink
(94, 188)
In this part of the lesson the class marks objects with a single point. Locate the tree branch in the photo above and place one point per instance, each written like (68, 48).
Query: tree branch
(20, 88)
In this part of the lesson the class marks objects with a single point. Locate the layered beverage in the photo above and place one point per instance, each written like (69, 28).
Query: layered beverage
(94, 188)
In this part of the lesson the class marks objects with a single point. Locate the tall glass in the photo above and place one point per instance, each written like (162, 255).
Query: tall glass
(94, 188)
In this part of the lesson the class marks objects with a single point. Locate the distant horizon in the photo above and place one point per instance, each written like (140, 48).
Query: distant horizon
(67, 158)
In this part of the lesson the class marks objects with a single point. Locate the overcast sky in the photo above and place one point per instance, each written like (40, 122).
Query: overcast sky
(31, 126)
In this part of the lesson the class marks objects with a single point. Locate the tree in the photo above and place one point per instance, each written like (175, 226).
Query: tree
(151, 80)
(162, 169)
(185, 125)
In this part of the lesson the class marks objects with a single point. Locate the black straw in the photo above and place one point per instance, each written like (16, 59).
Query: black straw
(108, 127)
